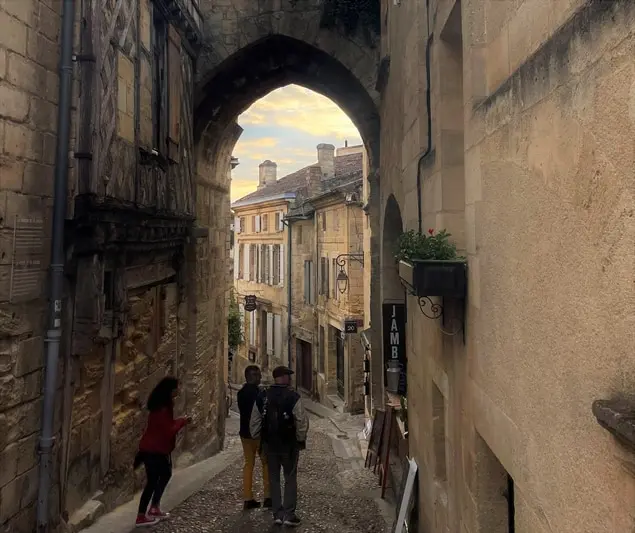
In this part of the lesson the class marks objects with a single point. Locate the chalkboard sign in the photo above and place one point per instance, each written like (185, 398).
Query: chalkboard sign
(375, 438)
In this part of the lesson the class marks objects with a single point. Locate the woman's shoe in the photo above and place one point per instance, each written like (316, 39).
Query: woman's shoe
(156, 512)
(145, 521)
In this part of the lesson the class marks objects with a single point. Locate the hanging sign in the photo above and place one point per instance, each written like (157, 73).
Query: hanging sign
(394, 342)
(350, 326)
(250, 303)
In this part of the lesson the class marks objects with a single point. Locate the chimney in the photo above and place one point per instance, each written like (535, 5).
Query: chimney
(267, 174)
(326, 159)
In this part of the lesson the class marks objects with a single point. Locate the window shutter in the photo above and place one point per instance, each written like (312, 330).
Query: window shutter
(270, 259)
(269, 333)
(246, 263)
(277, 337)
(241, 310)
(327, 288)
(257, 263)
(237, 225)
(252, 328)
(307, 289)
(281, 256)
(258, 223)
(280, 221)
(175, 89)
(311, 282)
(236, 261)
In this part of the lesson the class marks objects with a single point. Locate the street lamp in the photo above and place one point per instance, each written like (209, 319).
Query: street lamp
(342, 276)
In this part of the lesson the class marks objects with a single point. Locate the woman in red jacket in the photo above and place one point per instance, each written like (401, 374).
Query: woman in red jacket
(157, 443)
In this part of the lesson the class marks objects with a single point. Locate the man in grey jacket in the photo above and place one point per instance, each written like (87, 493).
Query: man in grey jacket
(281, 422)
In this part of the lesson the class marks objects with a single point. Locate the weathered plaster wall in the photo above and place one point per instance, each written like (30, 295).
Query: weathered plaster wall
(550, 237)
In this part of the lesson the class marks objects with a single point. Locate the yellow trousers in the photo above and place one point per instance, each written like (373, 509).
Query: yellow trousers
(250, 450)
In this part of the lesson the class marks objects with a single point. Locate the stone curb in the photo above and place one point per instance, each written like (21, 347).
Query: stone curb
(184, 483)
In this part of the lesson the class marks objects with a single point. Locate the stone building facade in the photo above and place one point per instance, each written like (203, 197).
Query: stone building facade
(328, 236)
(147, 232)
(524, 155)
(317, 215)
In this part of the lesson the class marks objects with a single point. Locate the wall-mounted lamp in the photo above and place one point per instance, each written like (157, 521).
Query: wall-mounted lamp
(342, 276)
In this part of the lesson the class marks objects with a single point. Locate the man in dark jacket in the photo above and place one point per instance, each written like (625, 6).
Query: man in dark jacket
(251, 445)
(280, 420)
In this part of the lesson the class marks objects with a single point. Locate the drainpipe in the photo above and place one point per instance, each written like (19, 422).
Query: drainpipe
(54, 332)
(428, 149)
(289, 293)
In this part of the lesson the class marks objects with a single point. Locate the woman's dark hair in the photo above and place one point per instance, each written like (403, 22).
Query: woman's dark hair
(161, 396)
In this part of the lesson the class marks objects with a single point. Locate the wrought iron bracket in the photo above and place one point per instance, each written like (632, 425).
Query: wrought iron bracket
(340, 260)
(436, 309)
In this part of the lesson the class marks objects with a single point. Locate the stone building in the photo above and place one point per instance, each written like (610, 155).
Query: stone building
(146, 243)
(509, 123)
(327, 234)
(261, 256)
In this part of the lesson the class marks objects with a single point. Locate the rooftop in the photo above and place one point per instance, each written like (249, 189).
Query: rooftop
(296, 186)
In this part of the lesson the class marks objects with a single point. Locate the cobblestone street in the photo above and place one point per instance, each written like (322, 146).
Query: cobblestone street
(336, 494)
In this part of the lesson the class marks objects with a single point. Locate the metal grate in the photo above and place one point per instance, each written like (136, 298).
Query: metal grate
(27, 264)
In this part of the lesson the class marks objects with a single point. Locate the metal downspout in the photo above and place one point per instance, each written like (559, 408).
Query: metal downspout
(54, 331)
(289, 293)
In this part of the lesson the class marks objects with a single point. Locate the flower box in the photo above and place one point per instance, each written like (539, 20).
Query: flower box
(426, 277)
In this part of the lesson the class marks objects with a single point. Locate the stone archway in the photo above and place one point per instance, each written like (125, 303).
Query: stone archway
(278, 60)
(389, 290)
(251, 48)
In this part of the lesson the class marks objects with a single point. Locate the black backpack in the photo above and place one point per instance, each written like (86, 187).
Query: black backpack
(278, 422)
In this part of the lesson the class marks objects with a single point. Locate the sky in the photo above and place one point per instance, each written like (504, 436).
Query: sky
(286, 126)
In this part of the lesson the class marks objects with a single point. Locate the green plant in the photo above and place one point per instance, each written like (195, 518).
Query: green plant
(234, 325)
(432, 246)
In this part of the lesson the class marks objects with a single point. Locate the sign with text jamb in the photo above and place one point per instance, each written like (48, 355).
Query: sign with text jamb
(394, 342)
(250, 303)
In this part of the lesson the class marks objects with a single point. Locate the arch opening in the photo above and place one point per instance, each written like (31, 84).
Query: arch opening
(276, 61)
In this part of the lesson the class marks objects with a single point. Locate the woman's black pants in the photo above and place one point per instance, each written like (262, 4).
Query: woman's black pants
(158, 473)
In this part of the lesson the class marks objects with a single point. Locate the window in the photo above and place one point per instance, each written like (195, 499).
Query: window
(276, 264)
(323, 349)
(159, 82)
(252, 329)
(278, 221)
(323, 221)
(334, 280)
(298, 239)
(253, 262)
(324, 276)
(309, 291)
(277, 335)
(253, 224)
(241, 261)
(265, 223)
(166, 87)
(264, 263)
(241, 221)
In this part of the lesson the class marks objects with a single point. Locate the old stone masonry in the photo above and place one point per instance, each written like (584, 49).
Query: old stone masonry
(336, 493)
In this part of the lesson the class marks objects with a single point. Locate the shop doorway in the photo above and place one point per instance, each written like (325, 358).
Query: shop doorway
(304, 362)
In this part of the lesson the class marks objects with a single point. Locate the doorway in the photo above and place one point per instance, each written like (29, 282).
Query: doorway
(304, 361)
(339, 358)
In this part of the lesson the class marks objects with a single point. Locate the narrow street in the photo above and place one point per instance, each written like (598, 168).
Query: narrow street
(336, 493)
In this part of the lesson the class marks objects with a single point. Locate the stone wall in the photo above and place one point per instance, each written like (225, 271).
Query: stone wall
(537, 94)
(29, 37)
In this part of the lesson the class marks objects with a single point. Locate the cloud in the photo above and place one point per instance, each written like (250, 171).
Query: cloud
(286, 126)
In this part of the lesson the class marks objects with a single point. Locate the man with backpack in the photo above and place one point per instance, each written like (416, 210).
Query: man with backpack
(281, 422)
